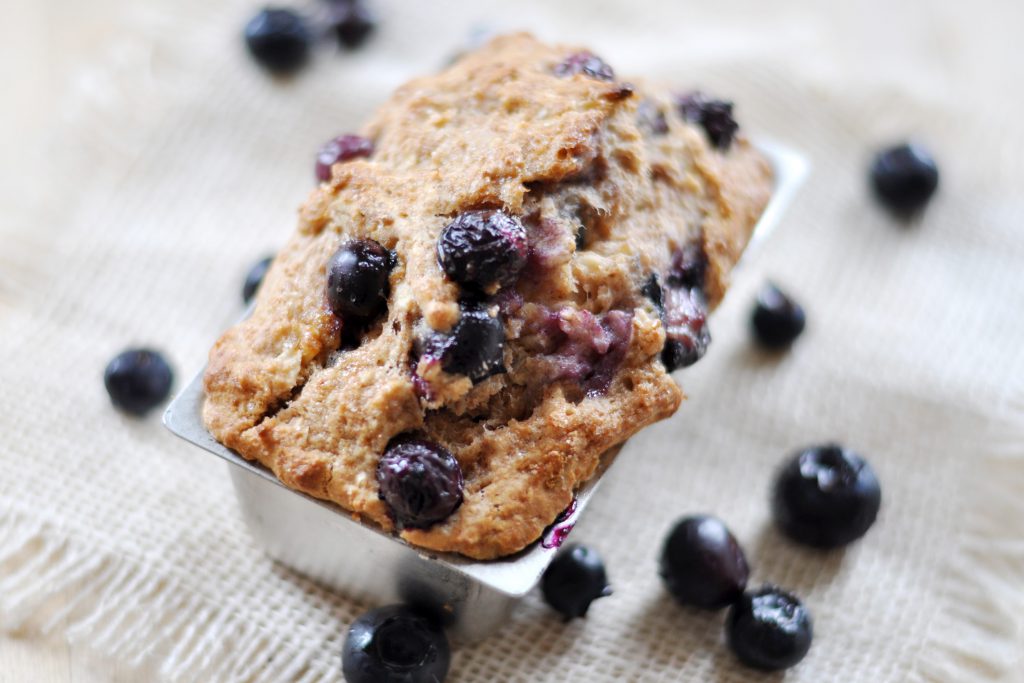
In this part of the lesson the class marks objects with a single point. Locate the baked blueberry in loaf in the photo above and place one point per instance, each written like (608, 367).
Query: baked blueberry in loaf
(490, 296)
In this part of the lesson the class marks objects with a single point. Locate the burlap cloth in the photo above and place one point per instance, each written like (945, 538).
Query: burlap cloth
(178, 164)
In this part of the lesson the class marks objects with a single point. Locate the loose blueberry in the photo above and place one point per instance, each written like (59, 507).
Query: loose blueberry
(904, 177)
(702, 565)
(474, 348)
(341, 148)
(769, 629)
(714, 116)
(585, 63)
(352, 21)
(484, 249)
(826, 496)
(255, 278)
(573, 580)
(395, 644)
(420, 482)
(357, 279)
(777, 319)
(138, 380)
(278, 39)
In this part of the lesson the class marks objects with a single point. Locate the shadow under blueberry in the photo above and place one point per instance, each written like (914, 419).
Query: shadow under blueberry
(753, 357)
(771, 548)
(728, 669)
(704, 630)
(662, 615)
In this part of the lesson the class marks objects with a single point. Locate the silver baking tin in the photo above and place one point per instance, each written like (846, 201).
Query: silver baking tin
(325, 543)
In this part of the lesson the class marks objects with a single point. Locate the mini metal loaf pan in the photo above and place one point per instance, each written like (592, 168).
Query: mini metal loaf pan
(324, 542)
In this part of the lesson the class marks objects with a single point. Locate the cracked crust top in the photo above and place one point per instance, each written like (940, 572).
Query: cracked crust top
(568, 154)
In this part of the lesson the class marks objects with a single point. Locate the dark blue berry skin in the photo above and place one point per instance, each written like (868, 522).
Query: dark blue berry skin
(777, 320)
(254, 278)
(714, 116)
(352, 22)
(904, 178)
(702, 565)
(689, 266)
(395, 644)
(138, 380)
(357, 279)
(826, 496)
(420, 482)
(483, 250)
(769, 629)
(474, 348)
(573, 580)
(279, 40)
(587, 64)
(341, 148)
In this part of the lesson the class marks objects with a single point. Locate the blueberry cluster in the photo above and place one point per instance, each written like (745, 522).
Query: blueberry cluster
(482, 251)
(825, 496)
(280, 39)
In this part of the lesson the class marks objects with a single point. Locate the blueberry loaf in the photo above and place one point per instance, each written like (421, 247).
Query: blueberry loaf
(487, 293)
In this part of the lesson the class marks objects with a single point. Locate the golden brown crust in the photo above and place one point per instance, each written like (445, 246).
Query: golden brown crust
(498, 129)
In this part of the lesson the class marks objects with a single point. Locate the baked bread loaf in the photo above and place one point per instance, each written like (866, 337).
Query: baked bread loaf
(488, 293)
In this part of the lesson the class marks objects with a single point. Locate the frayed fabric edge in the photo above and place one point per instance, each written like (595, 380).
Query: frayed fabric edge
(979, 633)
(55, 587)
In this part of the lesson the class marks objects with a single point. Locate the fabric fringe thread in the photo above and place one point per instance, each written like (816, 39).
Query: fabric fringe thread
(984, 584)
(54, 587)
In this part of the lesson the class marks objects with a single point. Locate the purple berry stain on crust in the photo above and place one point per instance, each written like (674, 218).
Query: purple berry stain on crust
(420, 482)
(483, 249)
(339, 149)
(714, 116)
(421, 386)
(585, 63)
(554, 536)
(578, 345)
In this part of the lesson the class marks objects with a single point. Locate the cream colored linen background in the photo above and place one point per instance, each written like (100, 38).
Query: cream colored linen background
(176, 164)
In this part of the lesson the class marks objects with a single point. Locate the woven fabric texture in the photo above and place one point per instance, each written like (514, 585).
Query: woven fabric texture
(179, 164)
